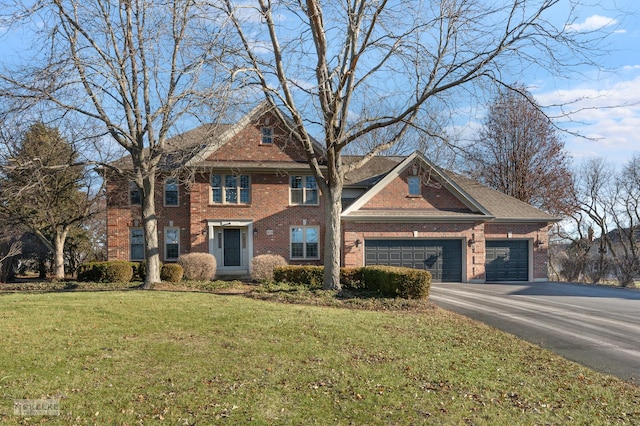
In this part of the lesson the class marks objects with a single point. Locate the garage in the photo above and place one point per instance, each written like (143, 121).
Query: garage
(443, 258)
(507, 260)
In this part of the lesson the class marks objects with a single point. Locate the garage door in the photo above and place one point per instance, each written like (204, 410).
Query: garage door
(507, 260)
(443, 258)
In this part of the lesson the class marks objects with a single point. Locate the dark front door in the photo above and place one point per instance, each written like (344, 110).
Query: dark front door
(507, 260)
(443, 258)
(232, 247)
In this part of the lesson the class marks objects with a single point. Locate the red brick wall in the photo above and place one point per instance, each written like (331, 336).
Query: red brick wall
(396, 196)
(121, 217)
(269, 209)
(246, 145)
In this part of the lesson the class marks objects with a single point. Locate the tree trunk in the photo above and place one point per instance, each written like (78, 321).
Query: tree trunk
(150, 223)
(42, 265)
(58, 254)
(332, 233)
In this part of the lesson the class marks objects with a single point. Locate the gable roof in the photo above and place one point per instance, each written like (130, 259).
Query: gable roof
(484, 204)
(200, 158)
(193, 147)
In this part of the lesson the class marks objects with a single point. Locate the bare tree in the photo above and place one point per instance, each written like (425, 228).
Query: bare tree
(626, 217)
(133, 67)
(595, 196)
(609, 208)
(352, 68)
(10, 247)
(519, 152)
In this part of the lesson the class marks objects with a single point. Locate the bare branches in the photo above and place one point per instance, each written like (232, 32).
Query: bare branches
(360, 68)
(608, 222)
(133, 68)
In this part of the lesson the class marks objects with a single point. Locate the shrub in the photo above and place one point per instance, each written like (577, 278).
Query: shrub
(116, 272)
(389, 281)
(140, 270)
(198, 266)
(398, 282)
(262, 266)
(308, 274)
(171, 272)
(88, 272)
(351, 278)
(106, 272)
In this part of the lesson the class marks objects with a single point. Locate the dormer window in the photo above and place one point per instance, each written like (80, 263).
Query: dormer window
(267, 135)
(414, 186)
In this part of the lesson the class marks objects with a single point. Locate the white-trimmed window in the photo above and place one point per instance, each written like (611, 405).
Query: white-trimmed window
(230, 189)
(134, 194)
(171, 243)
(136, 244)
(303, 190)
(305, 243)
(414, 185)
(171, 192)
(266, 134)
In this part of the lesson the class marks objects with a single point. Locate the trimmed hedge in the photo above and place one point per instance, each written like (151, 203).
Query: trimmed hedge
(106, 272)
(392, 281)
(308, 274)
(389, 281)
(171, 272)
(352, 278)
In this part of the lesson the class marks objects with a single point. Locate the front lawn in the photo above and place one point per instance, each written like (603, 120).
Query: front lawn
(140, 357)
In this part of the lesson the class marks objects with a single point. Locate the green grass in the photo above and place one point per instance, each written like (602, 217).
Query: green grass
(140, 357)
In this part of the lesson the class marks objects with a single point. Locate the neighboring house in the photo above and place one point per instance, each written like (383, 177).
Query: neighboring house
(251, 192)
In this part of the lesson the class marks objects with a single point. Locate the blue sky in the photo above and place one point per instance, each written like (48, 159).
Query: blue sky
(607, 99)
(603, 103)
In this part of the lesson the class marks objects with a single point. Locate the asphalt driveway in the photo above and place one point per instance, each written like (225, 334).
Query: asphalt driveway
(596, 326)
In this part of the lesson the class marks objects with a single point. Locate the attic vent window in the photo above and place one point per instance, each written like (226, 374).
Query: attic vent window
(267, 135)
(414, 186)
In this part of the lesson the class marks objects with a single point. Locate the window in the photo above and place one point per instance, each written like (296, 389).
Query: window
(303, 190)
(267, 135)
(414, 185)
(304, 242)
(134, 194)
(171, 243)
(171, 192)
(136, 244)
(230, 189)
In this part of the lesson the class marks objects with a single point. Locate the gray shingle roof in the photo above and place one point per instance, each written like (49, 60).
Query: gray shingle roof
(500, 207)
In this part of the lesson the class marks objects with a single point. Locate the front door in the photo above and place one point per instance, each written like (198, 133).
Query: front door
(232, 247)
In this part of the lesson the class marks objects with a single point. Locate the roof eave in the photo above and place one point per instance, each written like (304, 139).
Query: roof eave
(416, 219)
(509, 220)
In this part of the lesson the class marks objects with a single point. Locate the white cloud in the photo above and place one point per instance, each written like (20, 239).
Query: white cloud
(606, 114)
(592, 23)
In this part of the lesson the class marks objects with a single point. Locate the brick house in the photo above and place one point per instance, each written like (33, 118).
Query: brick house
(251, 192)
